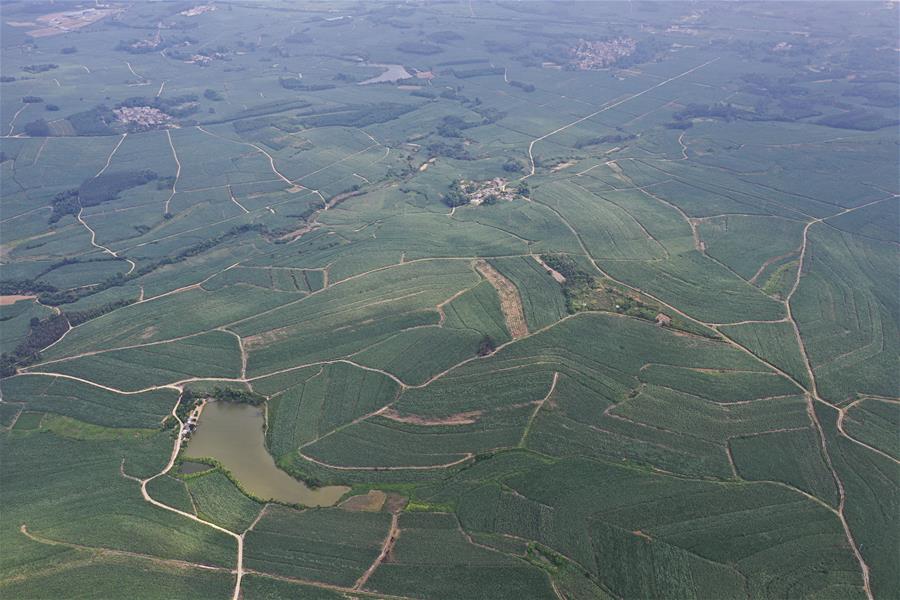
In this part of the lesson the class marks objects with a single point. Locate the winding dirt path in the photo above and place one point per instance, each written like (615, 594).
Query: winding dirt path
(177, 171)
(386, 547)
(172, 562)
(94, 243)
(176, 448)
(813, 395)
(842, 414)
(537, 409)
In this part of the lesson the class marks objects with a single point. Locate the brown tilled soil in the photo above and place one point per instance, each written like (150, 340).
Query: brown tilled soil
(395, 503)
(12, 299)
(371, 502)
(510, 302)
(465, 418)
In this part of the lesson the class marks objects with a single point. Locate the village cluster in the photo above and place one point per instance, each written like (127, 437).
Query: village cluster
(141, 117)
(490, 191)
(588, 55)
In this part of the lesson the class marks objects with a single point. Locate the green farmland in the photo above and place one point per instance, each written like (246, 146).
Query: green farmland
(544, 300)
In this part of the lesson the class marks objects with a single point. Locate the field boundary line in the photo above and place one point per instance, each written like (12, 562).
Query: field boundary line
(23, 529)
(537, 409)
(386, 547)
(606, 108)
(177, 171)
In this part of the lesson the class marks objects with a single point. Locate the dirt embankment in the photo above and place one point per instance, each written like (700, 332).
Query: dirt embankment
(510, 302)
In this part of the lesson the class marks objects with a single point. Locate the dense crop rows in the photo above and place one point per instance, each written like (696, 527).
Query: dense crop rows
(219, 196)
(326, 545)
(433, 557)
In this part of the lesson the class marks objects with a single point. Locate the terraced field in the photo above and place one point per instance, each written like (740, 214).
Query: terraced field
(589, 302)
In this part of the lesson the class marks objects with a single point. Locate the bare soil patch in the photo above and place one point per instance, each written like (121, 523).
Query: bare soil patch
(464, 418)
(63, 22)
(12, 299)
(262, 340)
(560, 279)
(371, 502)
(510, 302)
(293, 235)
(395, 503)
(561, 166)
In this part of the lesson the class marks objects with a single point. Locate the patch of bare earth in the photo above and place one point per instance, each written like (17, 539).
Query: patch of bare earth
(149, 332)
(562, 166)
(560, 279)
(264, 339)
(464, 418)
(371, 502)
(293, 235)
(12, 299)
(395, 503)
(510, 302)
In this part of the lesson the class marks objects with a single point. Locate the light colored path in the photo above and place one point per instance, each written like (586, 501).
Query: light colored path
(176, 448)
(235, 200)
(537, 409)
(177, 171)
(110, 157)
(389, 541)
(94, 243)
(606, 108)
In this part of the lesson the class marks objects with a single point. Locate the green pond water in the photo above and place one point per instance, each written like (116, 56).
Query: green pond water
(233, 435)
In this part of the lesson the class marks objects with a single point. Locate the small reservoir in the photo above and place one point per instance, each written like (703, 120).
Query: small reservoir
(233, 434)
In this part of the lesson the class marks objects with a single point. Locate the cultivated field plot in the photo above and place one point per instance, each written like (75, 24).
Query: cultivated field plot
(529, 300)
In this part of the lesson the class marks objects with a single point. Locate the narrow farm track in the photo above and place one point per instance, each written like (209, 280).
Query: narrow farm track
(468, 456)
(176, 448)
(94, 243)
(537, 409)
(606, 108)
(813, 396)
(386, 547)
(811, 390)
(170, 562)
(177, 171)
(110, 157)
(349, 592)
(769, 262)
(39, 152)
(811, 393)
(235, 200)
(275, 170)
(12, 122)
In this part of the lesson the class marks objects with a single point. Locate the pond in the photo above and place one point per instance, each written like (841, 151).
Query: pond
(233, 435)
